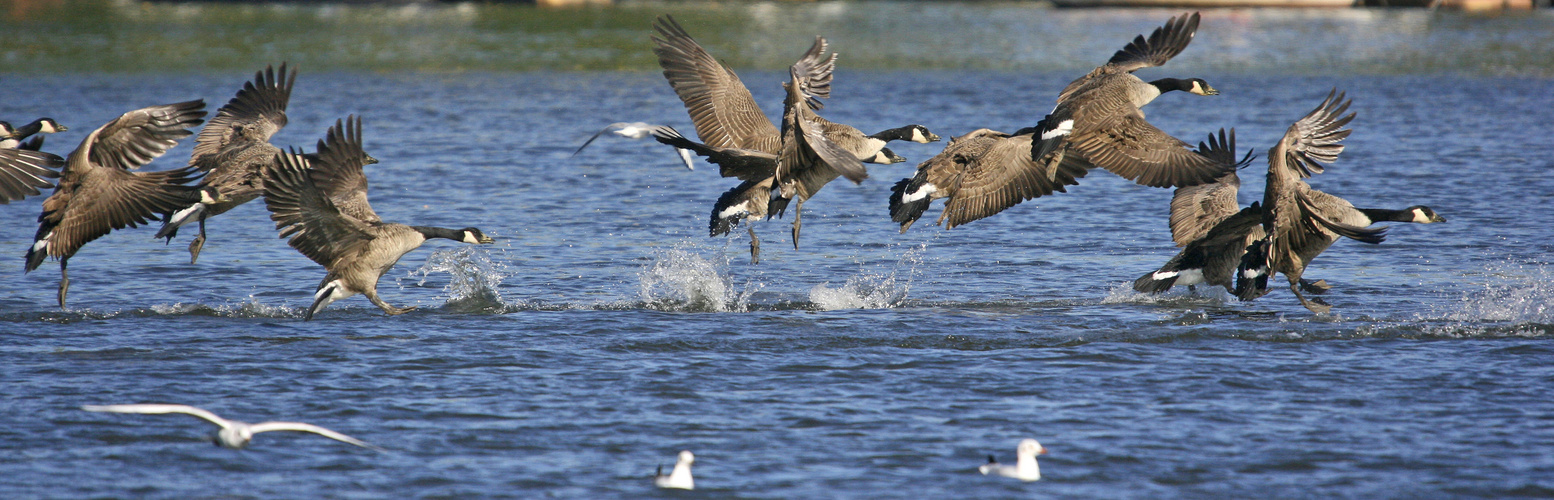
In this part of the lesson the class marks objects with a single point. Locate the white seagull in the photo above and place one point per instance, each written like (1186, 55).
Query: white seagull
(1024, 468)
(635, 130)
(680, 477)
(233, 434)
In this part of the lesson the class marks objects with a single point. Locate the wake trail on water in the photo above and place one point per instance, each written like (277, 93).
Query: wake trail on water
(1515, 299)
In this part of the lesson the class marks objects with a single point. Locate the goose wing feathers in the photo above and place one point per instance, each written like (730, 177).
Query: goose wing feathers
(24, 172)
(139, 136)
(724, 112)
(1163, 44)
(303, 211)
(337, 169)
(1129, 146)
(1000, 173)
(1314, 139)
(1197, 209)
(254, 115)
(744, 164)
(98, 201)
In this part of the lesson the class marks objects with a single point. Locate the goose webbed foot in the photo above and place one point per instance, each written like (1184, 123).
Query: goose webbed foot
(1314, 304)
(194, 248)
(395, 311)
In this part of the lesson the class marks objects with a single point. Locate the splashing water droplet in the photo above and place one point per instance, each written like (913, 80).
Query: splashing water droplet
(681, 280)
(872, 290)
(474, 278)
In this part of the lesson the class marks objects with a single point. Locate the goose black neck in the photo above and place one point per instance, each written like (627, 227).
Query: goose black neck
(27, 130)
(895, 134)
(1385, 215)
(439, 232)
(1170, 84)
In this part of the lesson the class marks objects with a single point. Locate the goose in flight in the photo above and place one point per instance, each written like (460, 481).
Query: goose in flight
(321, 204)
(234, 151)
(98, 193)
(233, 434)
(1098, 116)
(732, 127)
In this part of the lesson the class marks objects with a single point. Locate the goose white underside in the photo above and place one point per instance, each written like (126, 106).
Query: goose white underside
(42, 243)
(332, 291)
(1183, 277)
(186, 215)
(926, 190)
(1064, 128)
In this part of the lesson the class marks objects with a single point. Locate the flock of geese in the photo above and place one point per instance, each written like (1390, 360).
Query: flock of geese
(319, 200)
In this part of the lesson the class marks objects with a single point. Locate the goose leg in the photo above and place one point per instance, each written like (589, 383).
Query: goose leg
(198, 243)
(1315, 305)
(1317, 287)
(755, 245)
(798, 211)
(372, 295)
(64, 281)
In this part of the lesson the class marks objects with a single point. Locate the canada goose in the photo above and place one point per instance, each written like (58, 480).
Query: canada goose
(233, 434)
(1222, 244)
(680, 477)
(234, 150)
(636, 130)
(727, 119)
(1098, 119)
(24, 172)
(1024, 468)
(321, 204)
(97, 193)
(11, 138)
(982, 173)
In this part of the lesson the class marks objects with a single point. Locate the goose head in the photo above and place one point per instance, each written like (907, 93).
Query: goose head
(475, 237)
(1424, 215)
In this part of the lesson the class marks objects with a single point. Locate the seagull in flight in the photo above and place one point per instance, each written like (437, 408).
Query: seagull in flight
(680, 477)
(233, 434)
(635, 130)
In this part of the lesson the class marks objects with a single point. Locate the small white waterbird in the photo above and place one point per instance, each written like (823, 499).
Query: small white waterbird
(233, 434)
(1024, 468)
(636, 130)
(680, 477)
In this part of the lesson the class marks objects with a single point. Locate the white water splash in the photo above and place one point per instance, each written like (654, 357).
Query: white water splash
(872, 289)
(681, 280)
(474, 277)
(1518, 293)
(1123, 293)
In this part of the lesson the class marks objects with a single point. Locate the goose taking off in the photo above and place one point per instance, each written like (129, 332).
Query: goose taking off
(636, 130)
(680, 477)
(1222, 244)
(982, 173)
(98, 193)
(731, 126)
(1024, 468)
(322, 206)
(234, 151)
(1097, 117)
(233, 434)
